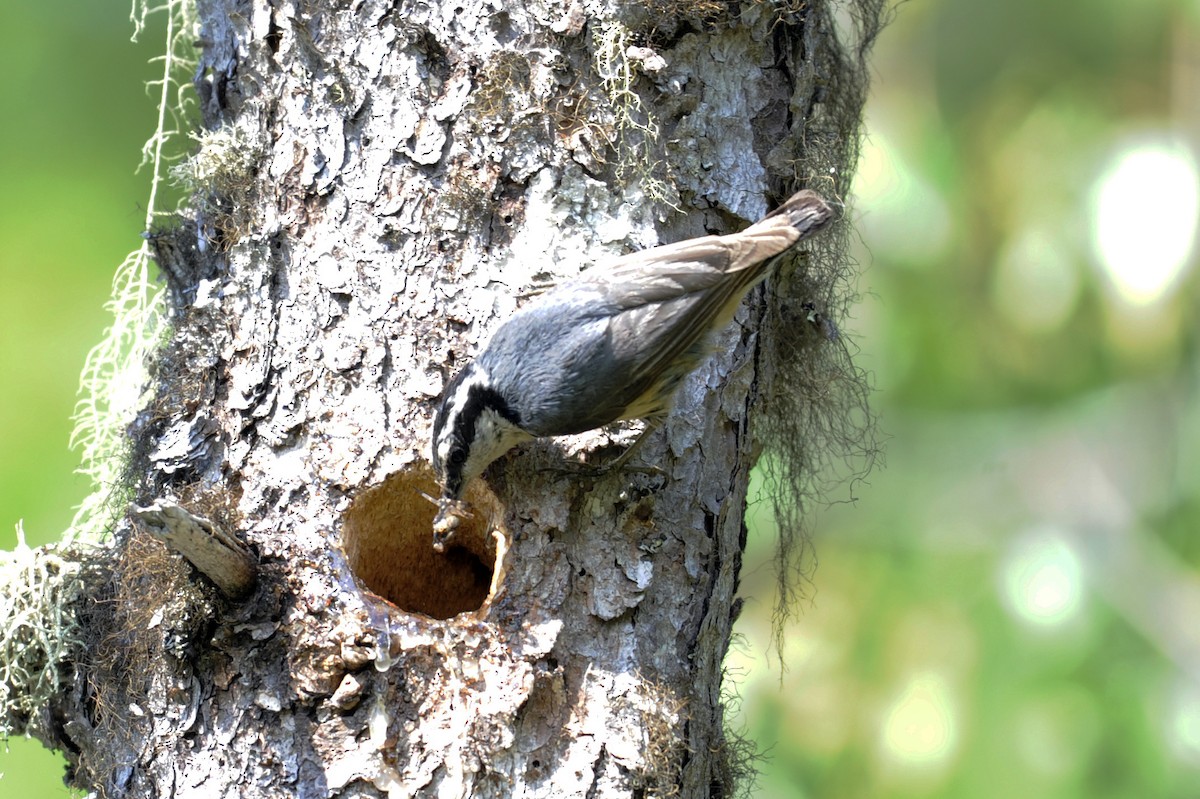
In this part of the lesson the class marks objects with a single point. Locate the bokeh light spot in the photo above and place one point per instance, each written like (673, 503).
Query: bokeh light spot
(1183, 723)
(909, 218)
(1055, 731)
(1144, 219)
(1043, 579)
(920, 727)
(1036, 285)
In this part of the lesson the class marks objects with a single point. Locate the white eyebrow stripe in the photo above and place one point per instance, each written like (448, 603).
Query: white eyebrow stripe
(458, 401)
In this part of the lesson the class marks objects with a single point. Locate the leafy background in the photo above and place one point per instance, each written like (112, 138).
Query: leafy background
(1012, 606)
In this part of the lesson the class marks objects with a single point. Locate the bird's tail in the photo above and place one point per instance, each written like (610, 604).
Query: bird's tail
(806, 212)
(755, 248)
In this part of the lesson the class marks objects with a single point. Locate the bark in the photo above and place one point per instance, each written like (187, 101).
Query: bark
(393, 179)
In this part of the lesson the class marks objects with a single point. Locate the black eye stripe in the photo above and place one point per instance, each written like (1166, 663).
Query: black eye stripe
(479, 399)
(466, 397)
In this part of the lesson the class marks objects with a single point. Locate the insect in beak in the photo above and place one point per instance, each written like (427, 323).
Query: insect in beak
(451, 513)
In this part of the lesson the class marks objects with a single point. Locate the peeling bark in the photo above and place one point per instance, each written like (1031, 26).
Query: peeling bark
(212, 550)
(419, 169)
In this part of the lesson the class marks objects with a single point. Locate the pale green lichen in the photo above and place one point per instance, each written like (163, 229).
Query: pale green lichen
(39, 626)
(636, 130)
(218, 178)
(113, 383)
(38, 630)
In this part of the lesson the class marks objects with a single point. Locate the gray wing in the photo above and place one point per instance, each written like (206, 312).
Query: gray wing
(667, 299)
(597, 346)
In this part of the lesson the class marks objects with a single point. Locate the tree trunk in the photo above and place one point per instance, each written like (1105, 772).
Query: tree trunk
(379, 185)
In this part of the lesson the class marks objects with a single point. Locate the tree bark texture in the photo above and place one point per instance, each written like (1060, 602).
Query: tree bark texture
(391, 180)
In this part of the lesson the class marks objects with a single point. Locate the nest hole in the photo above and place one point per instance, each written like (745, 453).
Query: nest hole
(387, 534)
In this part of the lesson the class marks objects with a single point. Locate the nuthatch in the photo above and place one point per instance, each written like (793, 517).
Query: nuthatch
(611, 344)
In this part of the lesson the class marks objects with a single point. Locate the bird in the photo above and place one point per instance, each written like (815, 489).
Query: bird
(609, 345)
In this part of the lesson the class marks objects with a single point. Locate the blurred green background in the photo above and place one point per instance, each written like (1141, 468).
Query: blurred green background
(1011, 608)
(75, 114)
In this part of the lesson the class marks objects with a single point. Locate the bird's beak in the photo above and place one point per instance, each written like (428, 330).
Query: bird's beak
(451, 512)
